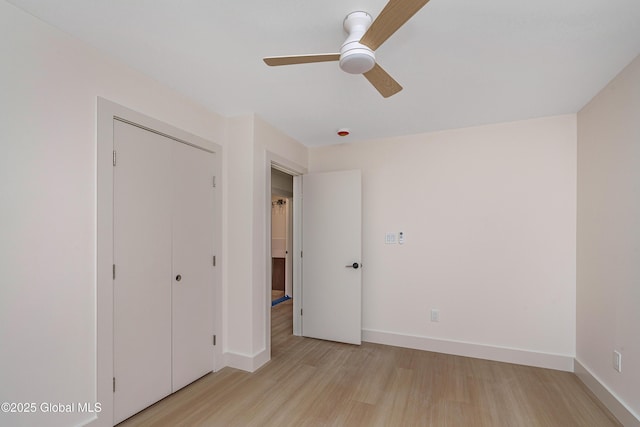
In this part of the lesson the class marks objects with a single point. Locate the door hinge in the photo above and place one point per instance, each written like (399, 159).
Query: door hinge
(214, 181)
(214, 260)
(214, 340)
(114, 272)
(300, 312)
(114, 384)
(114, 157)
(300, 254)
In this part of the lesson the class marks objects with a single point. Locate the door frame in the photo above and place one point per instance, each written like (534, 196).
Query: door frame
(280, 163)
(107, 111)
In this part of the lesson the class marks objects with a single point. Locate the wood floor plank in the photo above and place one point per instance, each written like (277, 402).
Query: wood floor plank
(319, 383)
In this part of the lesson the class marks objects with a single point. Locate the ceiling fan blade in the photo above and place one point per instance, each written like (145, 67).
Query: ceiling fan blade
(382, 81)
(301, 59)
(392, 17)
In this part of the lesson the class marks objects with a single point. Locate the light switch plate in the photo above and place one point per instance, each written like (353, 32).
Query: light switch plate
(390, 238)
(617, 361)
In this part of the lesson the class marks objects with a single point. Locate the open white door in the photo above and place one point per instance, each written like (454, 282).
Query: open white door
(331, 245)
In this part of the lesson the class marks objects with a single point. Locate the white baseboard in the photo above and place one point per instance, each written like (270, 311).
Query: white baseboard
(478, 351)
(608, 398)
(246, 362)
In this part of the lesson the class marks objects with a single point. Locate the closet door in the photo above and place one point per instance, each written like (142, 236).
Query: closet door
(192, 264)
(142, 255)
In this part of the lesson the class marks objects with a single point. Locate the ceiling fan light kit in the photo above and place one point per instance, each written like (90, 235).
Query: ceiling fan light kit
(356, 58)
(365, 36)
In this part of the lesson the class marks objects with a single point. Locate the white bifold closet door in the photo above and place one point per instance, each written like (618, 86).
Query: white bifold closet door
(163, 248)
(192, 302)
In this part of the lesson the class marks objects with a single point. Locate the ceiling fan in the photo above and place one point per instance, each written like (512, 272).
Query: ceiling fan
(365, 36)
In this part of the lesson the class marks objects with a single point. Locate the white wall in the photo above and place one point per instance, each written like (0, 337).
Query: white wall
(608, 300)
(252, 143)
(238, 185)
(281, 183)
(49, 87)
(489, 218)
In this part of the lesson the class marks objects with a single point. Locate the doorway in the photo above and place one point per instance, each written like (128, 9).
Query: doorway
(281, 237)
(332, 254)
(281, 253)
(280, 247)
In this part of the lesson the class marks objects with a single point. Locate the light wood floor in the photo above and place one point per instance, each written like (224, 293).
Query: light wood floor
(317, 383)
(276, 294)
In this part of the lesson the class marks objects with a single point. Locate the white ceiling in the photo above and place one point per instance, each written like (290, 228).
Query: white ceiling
(461, 62)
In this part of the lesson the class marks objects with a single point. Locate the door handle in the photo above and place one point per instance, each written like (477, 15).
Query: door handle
(354, 265)
(178, 278)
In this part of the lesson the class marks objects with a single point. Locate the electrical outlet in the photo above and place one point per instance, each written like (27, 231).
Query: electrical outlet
(435, 315)
(617, 361)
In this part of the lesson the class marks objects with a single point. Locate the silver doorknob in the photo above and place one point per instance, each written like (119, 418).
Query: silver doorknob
(354, 265)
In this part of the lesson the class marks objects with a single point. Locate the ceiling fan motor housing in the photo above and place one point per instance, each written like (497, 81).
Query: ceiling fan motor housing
(356, 58)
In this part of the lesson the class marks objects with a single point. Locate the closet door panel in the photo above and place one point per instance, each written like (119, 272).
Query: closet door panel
(192, 263)
(142, 255)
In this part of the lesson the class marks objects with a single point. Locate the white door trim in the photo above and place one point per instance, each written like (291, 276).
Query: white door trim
(107, 111)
